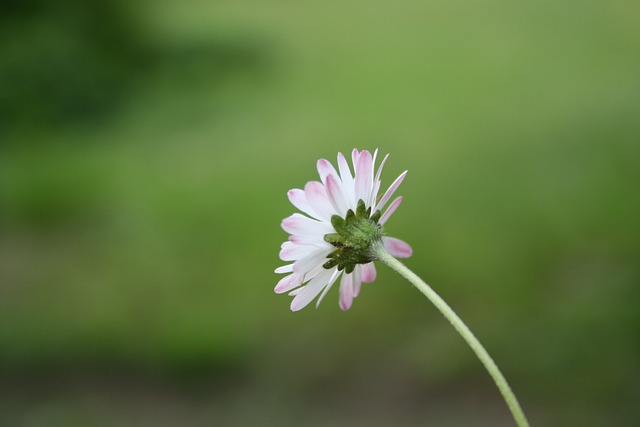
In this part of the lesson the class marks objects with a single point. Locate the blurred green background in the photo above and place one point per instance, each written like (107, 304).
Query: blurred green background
(145, 155)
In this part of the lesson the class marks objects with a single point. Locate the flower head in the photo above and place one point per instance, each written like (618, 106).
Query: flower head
(344, 219)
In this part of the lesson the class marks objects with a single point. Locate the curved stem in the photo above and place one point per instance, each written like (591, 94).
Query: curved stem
(462, 329)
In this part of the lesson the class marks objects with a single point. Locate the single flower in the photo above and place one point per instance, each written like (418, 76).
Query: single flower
(344, 220)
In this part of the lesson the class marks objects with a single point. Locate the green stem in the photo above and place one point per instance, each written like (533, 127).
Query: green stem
(462, 329)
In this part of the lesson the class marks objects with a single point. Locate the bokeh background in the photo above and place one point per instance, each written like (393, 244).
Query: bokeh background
(145, 153)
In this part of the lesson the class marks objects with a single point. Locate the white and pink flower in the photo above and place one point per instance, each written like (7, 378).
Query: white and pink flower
(337, 193)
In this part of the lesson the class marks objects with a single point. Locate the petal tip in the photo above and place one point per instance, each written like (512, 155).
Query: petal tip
(396, 247)
(345, 306)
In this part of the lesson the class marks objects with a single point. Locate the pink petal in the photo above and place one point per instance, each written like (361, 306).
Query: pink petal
(299, 239)
(310, 290)
(346, 291)
(325, 168)
(392, 208)
(392, 188)
(364, 176)
(318, 199)
(368, 272)
(355, 155)
(397, 247)
(287, 283)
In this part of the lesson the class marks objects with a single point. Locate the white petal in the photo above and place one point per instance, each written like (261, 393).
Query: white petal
(303, 265)
(380, 167)
(374, 193)
(291, 252)
(301, 225)
(334, 191)
(299, 200)
(284, 269)
(318, 199)
(375, 155)
(368, 272)
(357, 281)
(313, 272)
(364, 176)
(392, 208)
(347, 181)
(397, 247)
(287, 283)
(316, 240)
(310, 290)
(392, 188)
(346, 291)
(334, 276)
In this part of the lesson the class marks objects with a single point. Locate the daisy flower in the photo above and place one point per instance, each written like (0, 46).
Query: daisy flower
(343, 220)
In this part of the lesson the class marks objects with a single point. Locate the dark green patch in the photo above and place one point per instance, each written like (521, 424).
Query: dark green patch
(353, 238)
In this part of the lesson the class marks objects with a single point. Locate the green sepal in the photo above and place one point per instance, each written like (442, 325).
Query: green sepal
(350, 215)
(355, 234)
(361, 209)
(330, 264)
(335, 239)
(338, 223)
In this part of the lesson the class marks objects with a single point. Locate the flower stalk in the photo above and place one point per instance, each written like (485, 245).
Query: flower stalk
(382, 255)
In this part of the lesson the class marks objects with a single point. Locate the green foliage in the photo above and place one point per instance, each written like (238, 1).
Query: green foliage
(65, 61)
